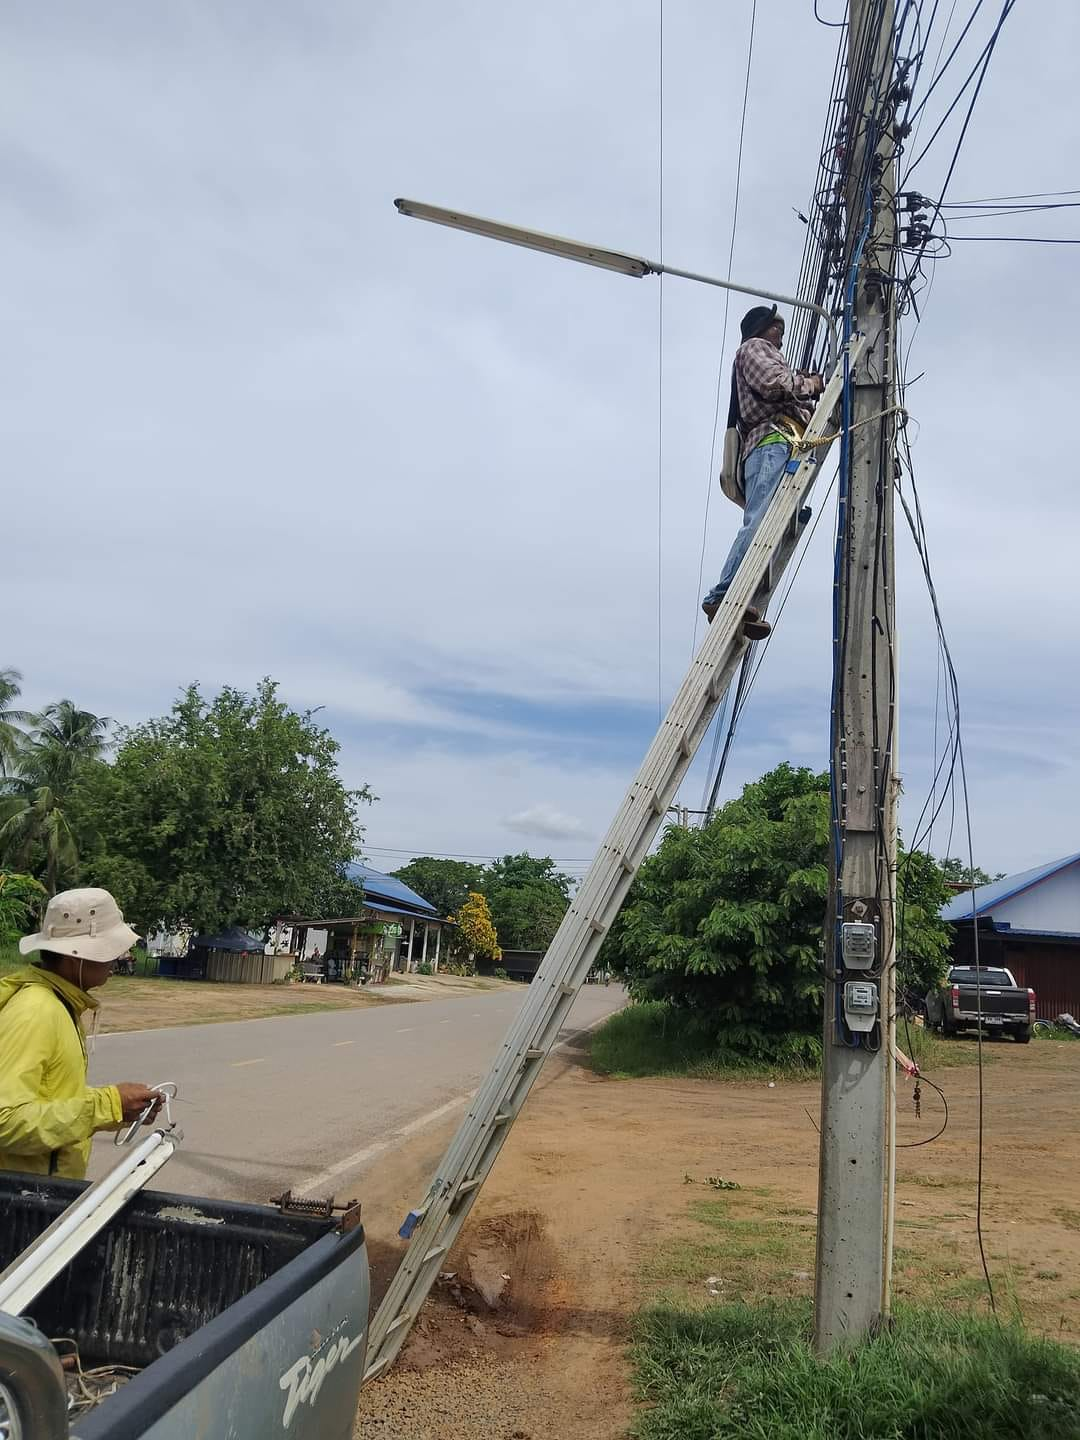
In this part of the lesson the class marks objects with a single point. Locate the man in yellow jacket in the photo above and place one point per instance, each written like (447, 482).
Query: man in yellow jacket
(48, 1113)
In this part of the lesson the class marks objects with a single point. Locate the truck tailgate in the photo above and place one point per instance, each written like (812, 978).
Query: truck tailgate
(996, 1004)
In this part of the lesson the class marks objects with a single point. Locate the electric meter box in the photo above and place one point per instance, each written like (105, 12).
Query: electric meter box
(858, 945)
(860, 1005)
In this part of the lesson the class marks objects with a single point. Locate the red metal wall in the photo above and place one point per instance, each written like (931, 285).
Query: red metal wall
(1052, 971)
(1050, 967)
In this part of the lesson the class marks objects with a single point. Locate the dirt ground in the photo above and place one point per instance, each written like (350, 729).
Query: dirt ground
(601, 1201)
(132, 1003)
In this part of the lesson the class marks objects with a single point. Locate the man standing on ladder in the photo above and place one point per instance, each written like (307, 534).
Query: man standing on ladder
(768, 411)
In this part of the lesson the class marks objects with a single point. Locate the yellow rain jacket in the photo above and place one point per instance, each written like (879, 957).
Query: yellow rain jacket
(48, 1113)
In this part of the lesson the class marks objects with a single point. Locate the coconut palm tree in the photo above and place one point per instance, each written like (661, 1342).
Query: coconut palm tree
(63, 737)
(11, 719)
(32, 820)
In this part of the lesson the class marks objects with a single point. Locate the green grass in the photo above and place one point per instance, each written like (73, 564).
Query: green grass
(748, 1371)
(653, 1039)
(1058, 1035)
(746, 1240)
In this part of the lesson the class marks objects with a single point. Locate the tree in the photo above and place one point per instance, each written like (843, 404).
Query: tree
(11, 720)
(228, 811)
(62, 739)
(957, 873)
(528, 898)
(22, 899)
(35, 831)
(477, 934)
(443, 883)
(725, 922)
(923, 939)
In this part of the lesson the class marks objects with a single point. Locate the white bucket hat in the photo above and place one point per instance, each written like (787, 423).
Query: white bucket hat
(84, 923)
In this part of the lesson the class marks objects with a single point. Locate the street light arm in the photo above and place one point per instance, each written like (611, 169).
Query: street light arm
(819, 310)
(599, 255)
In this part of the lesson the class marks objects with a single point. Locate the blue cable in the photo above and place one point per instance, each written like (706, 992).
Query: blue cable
(843, 484)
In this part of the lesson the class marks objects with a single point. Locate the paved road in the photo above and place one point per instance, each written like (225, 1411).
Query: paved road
(307, 1101)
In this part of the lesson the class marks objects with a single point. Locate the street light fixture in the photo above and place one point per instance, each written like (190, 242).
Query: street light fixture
(599, 255)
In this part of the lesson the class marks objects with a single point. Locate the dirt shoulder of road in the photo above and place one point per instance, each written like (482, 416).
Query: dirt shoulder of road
(133, 1003)
(608, 1195)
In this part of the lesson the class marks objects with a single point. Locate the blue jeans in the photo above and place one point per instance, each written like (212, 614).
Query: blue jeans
(762, 472)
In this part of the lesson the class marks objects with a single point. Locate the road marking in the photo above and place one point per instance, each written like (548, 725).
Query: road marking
(361, 1157)
(405, 1031)
(343, 1042)
(236, 1064)
(444, 1022)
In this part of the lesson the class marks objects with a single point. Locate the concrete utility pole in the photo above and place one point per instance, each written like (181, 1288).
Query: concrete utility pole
(855, 1196)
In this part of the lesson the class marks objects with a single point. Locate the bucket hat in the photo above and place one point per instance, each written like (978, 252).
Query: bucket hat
(84, 923)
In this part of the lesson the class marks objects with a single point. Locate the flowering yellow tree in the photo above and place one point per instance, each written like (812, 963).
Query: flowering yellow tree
(476, 930)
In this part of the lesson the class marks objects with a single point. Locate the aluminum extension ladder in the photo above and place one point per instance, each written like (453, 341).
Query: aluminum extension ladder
(434, 1225)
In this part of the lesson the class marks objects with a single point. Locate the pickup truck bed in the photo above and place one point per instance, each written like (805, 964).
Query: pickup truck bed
(242, 1321)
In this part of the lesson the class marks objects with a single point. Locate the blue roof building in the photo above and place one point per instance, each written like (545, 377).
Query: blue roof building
(387, 887)
(1030, 924)
(396, 929)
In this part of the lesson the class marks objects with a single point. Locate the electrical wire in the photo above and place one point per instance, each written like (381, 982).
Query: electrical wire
(832, 24)
(709, 479)
(660, 389)
(1031, 195)
(983, 61)
(929, 1140)
(919, 534)
(1017, 239)
(755, 656)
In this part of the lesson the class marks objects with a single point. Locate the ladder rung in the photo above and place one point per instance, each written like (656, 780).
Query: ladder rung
(535, 1053)
(565, 989)
(657, 805)
(467, 1185)
(685, 748)
(403, 1319)
(435, 1250)
(502, 1118)
(596, 926)
(627, 864)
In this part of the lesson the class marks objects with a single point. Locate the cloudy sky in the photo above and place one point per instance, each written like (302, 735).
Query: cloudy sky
(255, 423)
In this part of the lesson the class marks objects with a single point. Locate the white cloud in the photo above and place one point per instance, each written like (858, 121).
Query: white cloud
(547, 822)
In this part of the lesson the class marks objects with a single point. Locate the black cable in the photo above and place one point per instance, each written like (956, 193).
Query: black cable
(1031, 195)
(997, 212)
(756, 653)
(914, 1144)
(983, 60)
(832, 24)
(939, 72)
(724, 328)
(1017, 239)
(920, 537)
(660, 386)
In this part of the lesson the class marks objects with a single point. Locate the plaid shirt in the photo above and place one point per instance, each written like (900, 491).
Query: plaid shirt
(767, 389)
